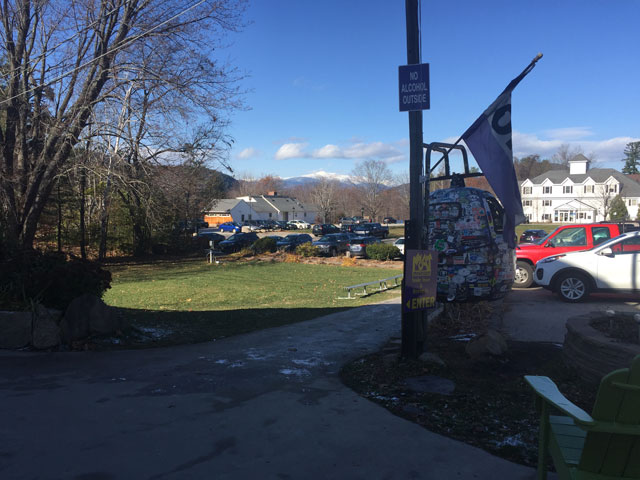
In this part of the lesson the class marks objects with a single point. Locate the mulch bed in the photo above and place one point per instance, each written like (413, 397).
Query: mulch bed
(491, 406)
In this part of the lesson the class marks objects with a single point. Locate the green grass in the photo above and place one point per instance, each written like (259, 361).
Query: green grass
(191, 301)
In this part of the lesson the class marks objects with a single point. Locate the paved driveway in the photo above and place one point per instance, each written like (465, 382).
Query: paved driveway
(266, 405)
(537, 315)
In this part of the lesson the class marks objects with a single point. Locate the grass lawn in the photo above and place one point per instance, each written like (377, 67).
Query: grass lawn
(191, 301)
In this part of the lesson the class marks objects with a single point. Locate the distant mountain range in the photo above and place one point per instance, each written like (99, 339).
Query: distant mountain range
(315, 177)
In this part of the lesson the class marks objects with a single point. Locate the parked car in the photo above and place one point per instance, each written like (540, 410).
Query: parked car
(564, 239)
(348, 228)
(323, 229)
(251, 226)
(388, 220)
(611, 266)
(270, 225)
(282, 225)
(229, 227)
(358, 245)
(237, 242)
(346, 221)
(371, 230)
(333, 243)
(529, 236)
(300, 224)
(291, 241)
(399, 243)
(214, 237)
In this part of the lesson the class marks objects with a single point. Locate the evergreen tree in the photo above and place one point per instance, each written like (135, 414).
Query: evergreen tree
(632, 158)
(618, 211)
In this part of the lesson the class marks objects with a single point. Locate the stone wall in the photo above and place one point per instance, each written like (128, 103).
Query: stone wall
(591, 353)
(44, 328)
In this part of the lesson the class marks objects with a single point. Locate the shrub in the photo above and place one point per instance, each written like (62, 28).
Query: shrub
(291, 258)
(382, 251)
(265, 244)
(50, 279)
(349, 262)
(307, 250)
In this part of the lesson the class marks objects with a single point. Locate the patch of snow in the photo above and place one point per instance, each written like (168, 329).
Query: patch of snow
(298, 372)
(463, 337)
(155, 332)
(237, 363)
(311, 362)
(222, 361)
(511, 441)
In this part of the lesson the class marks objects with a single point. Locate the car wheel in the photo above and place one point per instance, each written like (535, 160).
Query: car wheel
(333, 252)
(524, 275)
(573, 287)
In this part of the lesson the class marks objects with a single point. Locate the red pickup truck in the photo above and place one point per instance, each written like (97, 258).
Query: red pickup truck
(568, 238)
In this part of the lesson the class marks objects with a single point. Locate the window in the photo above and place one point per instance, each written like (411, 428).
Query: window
(570, 237)
(589, 189)
(526, 203)
(546, 203)
(613, 188)
(630, 245)
(600, 234)
(567, 189)
(546, 217)
(270, 214)
(546, 190)
(633, 202)
(526, 190)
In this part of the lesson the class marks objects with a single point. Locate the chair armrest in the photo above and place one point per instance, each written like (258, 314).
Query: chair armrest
(548, 391)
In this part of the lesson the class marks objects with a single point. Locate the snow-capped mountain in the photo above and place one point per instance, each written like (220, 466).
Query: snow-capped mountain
(312, 178)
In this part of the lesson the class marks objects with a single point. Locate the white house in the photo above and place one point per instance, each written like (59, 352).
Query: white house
(578, 195)
(259, 207)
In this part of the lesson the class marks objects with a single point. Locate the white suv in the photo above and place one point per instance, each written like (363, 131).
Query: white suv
(300, 224)
(611, 266)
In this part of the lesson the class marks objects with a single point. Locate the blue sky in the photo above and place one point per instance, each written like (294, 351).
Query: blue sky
(323, 79)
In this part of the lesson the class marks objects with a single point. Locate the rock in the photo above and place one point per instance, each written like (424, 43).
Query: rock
(88, 314)
(46, 332)
(428, 357)
(491, 343)
(15, 329)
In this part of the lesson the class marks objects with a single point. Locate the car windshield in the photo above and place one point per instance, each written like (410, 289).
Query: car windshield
(235, 236)
(540, 241)
(288, 239)
(327, 238)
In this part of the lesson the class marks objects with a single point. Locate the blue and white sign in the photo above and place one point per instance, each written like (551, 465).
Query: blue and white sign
(413, 81)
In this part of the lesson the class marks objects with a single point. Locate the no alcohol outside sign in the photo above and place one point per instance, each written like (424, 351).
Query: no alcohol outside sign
(413, 81)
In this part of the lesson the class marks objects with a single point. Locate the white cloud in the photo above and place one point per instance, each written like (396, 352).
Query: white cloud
(387, 152)
(328, 151)
(248, 153)
(291, 150)
(609, 151)
(569, 134)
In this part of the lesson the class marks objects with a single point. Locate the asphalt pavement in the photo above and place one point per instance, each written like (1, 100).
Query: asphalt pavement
(265, 405)
(538, 315)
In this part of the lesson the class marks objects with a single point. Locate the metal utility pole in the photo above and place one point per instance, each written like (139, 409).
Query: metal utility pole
(412, 321)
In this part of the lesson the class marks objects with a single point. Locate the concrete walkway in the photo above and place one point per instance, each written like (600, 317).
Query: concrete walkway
(266, 405)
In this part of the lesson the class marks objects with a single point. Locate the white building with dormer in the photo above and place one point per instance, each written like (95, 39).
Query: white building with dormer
(578, 194)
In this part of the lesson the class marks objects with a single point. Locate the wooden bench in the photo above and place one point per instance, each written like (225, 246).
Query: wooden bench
(602, 446)
(382, 284)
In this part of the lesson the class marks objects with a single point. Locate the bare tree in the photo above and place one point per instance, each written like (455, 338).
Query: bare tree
(323, 196)
(372, 178)
(65, 59)
(565, 153)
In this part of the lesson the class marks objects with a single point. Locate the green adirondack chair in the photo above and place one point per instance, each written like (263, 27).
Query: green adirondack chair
(602, 446)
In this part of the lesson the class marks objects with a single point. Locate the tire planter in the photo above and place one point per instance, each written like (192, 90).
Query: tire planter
(590, 352)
